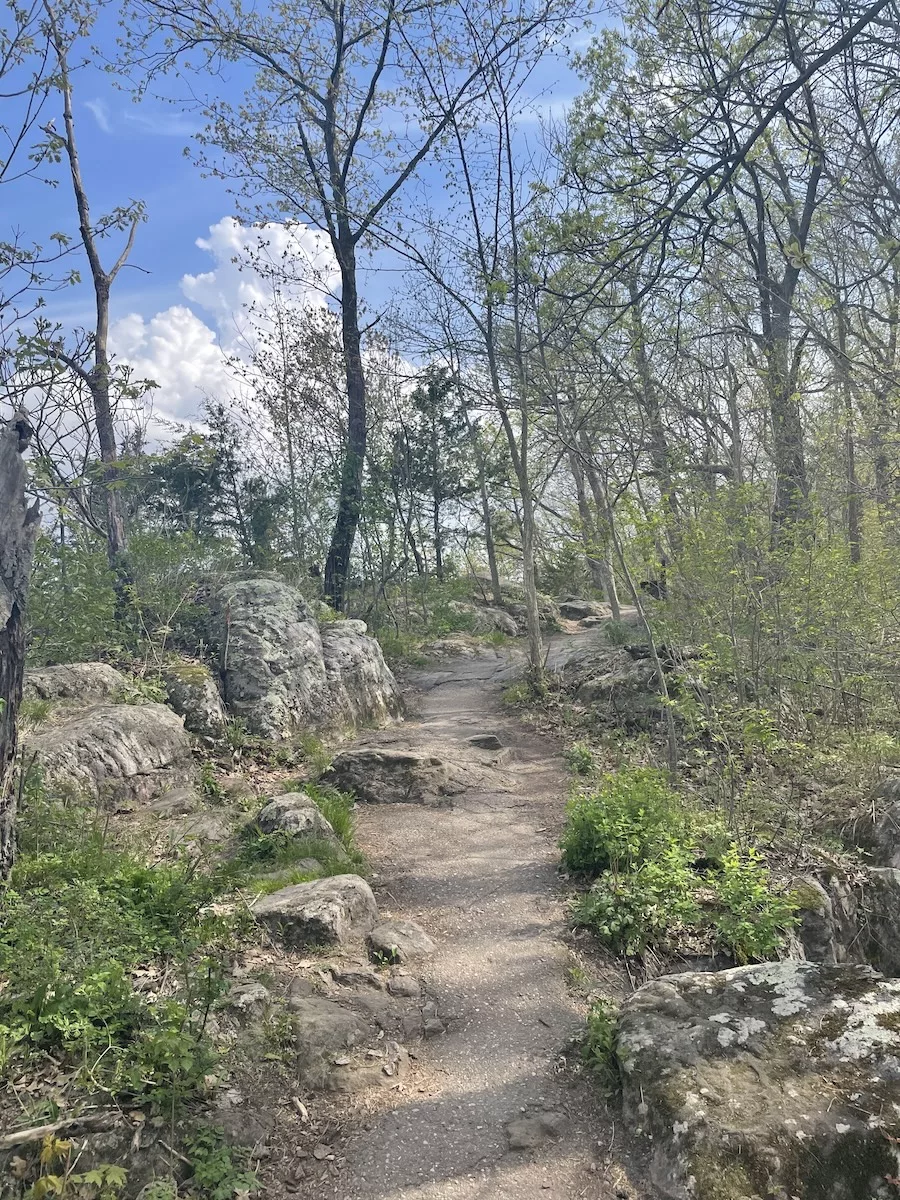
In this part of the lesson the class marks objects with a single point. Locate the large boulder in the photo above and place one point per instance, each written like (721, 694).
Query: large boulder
(362, 686)
(116, 754)
(611, 680)
(484, 618)
(780, 1080)
(388, 775)
(331, 910)
(281, 676)
(399, 942)
(575, 609)
(84, 683)
(194, 694)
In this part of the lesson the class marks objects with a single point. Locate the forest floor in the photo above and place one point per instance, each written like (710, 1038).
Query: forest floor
(481, 875)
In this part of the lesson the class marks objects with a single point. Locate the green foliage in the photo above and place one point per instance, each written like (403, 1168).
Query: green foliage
(79, 918)
(210, 788)
(218, 1171)
(598, 1047)
(58, 1177)
(337, 809)
(580, 758)
(629, 816)
(642, 906)
(750, 918)
(66, 579)
(644, 847)
(315, 752)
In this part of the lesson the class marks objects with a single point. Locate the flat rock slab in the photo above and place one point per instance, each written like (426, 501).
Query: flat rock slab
(532, 1132)
(116, 754)
(399, 941)
(331, 910)
(86, 683)
(781, 1079)
(486, 741)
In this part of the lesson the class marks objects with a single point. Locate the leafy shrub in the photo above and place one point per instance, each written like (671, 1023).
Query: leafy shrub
(67, 579)
(627, 818)
(580, 758)
(631, 910)
(751, 918)
(218, 1171)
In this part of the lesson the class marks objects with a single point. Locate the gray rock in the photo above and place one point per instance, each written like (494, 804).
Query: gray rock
(486, 741)
(764, 1080)
(362, 687)
(880, 919)
(250, 998)
(177, 803)
(532, 1132)
(86, 683)
(281, 674)
(573, 609)
(434, 1027)
(194, 694)
(591, 622)
(613, 681)
(878, 830)
(116, 754)
(382, 775)
(483, 618)
(404, 986)
(331, 910)
(399, 941)
(296, 813)
(322, 1030)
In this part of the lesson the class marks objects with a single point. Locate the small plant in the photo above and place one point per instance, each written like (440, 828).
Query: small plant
(210, 788)
(315, 753)
(598, 1048)
(580, 758)
(517, 695)
(218, 1171)
(617, 633)
(58, 1176)
(34, 712)
(237, 736)
(751, 918)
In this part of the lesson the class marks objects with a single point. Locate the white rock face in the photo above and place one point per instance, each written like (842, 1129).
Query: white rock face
(780, 1079)
(85, 683)
(116, 753)
(281, 674)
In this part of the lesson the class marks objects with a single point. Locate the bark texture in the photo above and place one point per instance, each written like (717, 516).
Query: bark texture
(18, 530)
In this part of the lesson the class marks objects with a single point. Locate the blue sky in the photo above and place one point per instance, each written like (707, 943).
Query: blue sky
(135, 151)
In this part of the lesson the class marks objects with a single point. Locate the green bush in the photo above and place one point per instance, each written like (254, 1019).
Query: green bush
(598, 1048)
(580, 758)
(218, 1171)
(751, 918)
(639, 907)
(630, 816)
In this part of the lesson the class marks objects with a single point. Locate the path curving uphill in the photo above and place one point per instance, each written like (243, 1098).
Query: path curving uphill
(491, 1112)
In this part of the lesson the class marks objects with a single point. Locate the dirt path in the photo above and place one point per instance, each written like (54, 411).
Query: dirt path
(480, 875)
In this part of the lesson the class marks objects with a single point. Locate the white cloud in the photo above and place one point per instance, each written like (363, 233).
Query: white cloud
(100, 113)
(188, 358)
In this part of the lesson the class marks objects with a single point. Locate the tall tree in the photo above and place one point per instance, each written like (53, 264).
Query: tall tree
(336, 122)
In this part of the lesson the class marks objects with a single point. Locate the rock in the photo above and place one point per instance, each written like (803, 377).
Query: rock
(281, 675)
(177, 803)
(116, 754)
(880, 920)
(591, 622)
(879, 834)
(210, 827)
(194, 694)
(250, 998)
(383, 1069)
(358, 976)
(483, 618)
(381, 775)
(532, 1132)
(486, 741)
(322, 1030)
(331, 910)
(87, 683)
(405, 986)
(615, 683)
(362, 686)
(399, 941)
(781, 1079)
(434, 1027)
(573, 609)
(296, 813)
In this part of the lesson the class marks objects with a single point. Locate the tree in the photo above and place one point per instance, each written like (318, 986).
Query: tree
(336, 123)
(19, 523)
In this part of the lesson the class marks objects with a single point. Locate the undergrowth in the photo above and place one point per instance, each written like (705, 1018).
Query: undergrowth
(663, 869)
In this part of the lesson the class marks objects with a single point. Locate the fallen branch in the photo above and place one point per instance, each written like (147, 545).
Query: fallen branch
(92, 1123)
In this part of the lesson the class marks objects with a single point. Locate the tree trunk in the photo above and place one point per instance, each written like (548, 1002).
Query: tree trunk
(854, 529)
(19, 523)
(588, 526)
(337, 565)
(601, 500)
(791, 485)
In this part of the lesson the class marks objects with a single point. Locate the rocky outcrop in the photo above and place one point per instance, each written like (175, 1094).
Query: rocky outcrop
(484, 618)
(611, 680)
(781, 1079)
(115, 754)
(361, 686)
(83, 683)
(331, 910)
(281, 674)
(847, 919)
(194, 694)
(385, 775)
